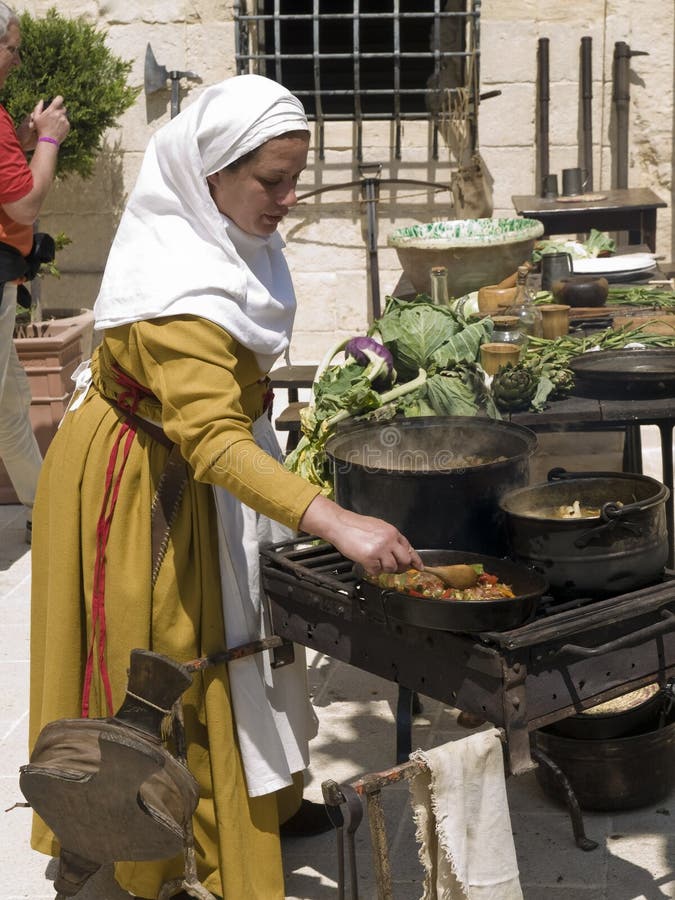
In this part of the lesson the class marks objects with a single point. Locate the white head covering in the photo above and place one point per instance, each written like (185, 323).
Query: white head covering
(174, 252)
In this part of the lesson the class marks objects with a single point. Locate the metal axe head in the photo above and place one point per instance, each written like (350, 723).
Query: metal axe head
(156, 76)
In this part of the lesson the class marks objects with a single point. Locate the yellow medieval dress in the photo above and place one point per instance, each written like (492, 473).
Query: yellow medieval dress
(207, 389)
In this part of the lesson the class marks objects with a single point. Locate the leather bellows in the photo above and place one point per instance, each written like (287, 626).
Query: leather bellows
(108, 788)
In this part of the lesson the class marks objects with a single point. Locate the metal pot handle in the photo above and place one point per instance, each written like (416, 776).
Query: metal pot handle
(587, 537)
(560, 474)
(612, 511)
(628, 640)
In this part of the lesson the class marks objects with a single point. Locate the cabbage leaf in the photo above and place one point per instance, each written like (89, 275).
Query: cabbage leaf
(423, 336)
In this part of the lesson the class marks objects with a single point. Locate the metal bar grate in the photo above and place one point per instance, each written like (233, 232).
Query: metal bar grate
(359, 61)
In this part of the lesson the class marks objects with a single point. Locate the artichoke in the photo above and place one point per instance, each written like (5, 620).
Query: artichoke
(514, 387)
(563, 382)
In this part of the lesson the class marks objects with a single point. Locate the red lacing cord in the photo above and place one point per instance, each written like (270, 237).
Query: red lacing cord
(268, 396)
(130, 398)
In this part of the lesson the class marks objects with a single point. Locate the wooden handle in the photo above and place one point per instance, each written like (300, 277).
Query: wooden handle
(459, 577)
(510, 280)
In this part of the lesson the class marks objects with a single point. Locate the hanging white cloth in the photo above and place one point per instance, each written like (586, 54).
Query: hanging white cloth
(463, 822)
(174, 253)
(272, 711)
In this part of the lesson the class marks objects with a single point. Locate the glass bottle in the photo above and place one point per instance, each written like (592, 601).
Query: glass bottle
(507, 330)
(439, 286)
(524, 307)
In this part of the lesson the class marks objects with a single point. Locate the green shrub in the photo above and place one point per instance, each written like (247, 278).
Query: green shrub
(69, 57)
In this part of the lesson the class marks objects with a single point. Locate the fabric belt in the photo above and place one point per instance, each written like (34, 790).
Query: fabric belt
(169, 490)
(156, 433)
(165, 505)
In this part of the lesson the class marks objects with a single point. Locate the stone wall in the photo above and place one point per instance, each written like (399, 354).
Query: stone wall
(326, 233)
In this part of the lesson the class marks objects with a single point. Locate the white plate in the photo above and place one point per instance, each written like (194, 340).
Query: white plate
(603, 265)
(632, 275)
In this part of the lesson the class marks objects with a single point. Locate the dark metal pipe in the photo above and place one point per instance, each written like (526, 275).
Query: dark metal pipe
(621, 100)
(587, 111)
(543, 99)
(370, 194)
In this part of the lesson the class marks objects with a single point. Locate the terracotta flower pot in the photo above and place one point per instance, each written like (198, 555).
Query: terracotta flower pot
(50, 351)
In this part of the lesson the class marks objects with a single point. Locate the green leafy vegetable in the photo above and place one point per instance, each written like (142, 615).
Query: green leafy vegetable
(598, 242)
(421, 335)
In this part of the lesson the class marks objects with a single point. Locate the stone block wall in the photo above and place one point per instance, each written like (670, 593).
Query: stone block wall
(326, 233)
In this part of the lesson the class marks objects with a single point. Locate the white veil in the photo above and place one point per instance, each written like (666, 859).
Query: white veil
(174, 253)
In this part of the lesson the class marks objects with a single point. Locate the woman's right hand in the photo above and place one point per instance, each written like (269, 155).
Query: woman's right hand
(375, 544)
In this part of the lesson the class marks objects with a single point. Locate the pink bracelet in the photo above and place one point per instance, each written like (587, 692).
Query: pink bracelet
(49, 140)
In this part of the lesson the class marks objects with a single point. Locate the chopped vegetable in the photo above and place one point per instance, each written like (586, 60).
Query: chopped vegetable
(429, 586)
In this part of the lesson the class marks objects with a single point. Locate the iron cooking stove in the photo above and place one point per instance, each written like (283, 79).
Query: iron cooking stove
(568, 658)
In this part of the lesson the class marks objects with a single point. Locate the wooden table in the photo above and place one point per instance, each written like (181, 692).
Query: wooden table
(629, 209)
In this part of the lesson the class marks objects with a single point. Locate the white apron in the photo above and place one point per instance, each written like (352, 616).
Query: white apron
(272, 711)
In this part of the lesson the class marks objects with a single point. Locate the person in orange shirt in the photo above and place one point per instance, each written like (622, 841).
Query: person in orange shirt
(23, 188)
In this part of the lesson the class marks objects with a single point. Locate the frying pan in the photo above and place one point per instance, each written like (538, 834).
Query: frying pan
(471, 616)
(625, 374)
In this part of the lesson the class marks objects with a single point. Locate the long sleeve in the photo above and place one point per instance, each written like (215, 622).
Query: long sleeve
(210, 389)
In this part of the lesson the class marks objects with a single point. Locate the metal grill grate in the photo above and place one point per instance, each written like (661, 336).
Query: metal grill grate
(389, 60)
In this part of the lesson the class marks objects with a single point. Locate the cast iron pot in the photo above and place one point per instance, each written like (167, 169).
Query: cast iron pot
(474, 616)
(622, 549)
(603, 726)
(413, 473)
(621, 773)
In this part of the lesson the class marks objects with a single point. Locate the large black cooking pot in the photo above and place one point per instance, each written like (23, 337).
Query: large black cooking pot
(437, 478)
(618, 773)
(623, 548)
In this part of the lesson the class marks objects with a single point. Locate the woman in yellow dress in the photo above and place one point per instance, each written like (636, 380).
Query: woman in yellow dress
(195, 305)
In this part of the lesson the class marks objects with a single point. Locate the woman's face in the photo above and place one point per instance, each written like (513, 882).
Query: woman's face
(257, 194)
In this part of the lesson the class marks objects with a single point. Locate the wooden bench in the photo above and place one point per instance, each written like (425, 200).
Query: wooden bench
(291, 379)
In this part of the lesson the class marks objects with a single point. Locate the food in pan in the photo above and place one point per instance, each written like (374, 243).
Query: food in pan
(426, 584)
(576, 511)
(623, 703)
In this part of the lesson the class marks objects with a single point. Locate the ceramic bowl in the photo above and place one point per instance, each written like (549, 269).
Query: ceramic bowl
(476, 252)
(581, 290)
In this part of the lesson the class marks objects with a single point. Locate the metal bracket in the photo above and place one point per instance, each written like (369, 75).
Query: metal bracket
(156, 77)
(334, 795)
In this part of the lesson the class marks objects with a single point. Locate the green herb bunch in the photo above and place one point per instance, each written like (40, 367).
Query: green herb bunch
(70, 57)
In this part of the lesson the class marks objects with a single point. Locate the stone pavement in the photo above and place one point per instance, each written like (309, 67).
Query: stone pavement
(635, 859)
